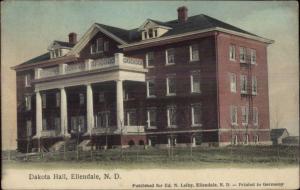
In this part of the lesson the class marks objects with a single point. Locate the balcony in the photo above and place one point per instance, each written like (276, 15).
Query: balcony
(118, 61)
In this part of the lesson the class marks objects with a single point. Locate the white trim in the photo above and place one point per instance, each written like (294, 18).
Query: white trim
(147, 88)
(243, 80)
(191, 52)
(255, 112)
(28, 80)
(232, 48)
(254, 85)
(253, 54)
(147, 60)
(245, 112)
(233, 83)
(244, 54)
(233, 110)
(142, 27)
(149, 119)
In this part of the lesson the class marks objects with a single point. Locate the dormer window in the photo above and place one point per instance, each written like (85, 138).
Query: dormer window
(99, 46)
(55, 53)
(150, 29)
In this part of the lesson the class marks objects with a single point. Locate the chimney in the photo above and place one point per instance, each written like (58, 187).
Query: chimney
(182, 14)
(72, 38)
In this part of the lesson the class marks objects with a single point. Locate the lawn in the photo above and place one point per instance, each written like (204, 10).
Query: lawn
(177, 158)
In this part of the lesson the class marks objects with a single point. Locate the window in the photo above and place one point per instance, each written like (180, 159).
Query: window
(235, 140)
(27, 80)
(44, 124)
(254, 85)
(78, 123)
(253, 56)
(44, 101)
(246, 140)
(245, 115)
(57, 99)
(233, 115)
(232, 52)
(27, 103)
(255, 116)
(171, 85)
(256, 139)
(93, 48)
(81, 99)
(196, 115)
(242, 55)
(106, 46)
(170, 56)
(102, 119)
(243, 84)
(150, 59)
(101, 97)
(194, 52)
(28, 128)
(130, 119)
(150, 88)
(232, 82)
(55, 53)
(145, 35)
(155, 33)
(151, 118)
(195, 82)
(172, 141)
(57, 123)
(99, 43)
(171, 116)
(150, 33)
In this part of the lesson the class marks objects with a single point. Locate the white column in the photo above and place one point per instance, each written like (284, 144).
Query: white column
(39, 115)
(119, 58)
(63, 113)
(120, 107)
(89, 108)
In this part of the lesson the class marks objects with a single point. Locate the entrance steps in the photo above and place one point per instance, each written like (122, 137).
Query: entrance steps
(85, 145)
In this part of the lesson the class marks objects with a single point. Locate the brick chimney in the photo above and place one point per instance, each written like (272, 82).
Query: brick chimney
(182, 14)
(72, 38)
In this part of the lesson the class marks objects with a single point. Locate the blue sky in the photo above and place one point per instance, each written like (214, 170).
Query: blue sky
(29, 27)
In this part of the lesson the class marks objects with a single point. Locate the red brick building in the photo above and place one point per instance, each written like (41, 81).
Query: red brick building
(186, 82)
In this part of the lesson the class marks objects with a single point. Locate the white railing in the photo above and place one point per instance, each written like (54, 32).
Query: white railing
(102, 63)
(74, 68)
(49, 72)
(134, 61)
(62, 69)
(48, 133)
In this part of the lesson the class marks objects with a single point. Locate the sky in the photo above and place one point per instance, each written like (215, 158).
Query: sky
(28, 28)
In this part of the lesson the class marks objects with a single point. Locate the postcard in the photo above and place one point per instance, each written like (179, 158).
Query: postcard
(150, 94)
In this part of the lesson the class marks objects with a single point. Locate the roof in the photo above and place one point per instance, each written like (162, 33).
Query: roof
(43, 57)
(193, 23)
(64, 44)
(275, 133)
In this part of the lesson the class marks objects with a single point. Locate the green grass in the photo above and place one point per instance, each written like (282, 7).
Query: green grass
(210, 157)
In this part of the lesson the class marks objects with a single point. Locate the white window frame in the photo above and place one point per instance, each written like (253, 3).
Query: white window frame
(245, 115)
(170, 77)
(255, 116)
(193, 106)
(167, 56)
(192, 77)
(128, 117)
(194, 57)
(27, 102)
(232, 79)
(147, 59)
(169, 118)
(93, 48)
(57, 99)
(254, 85)
(243, 80)
(232, 52)
(148, 88)
(253, 56)
(27, 80)
(233, 111)
(149, 110)
(243, 54)
(44, 101)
